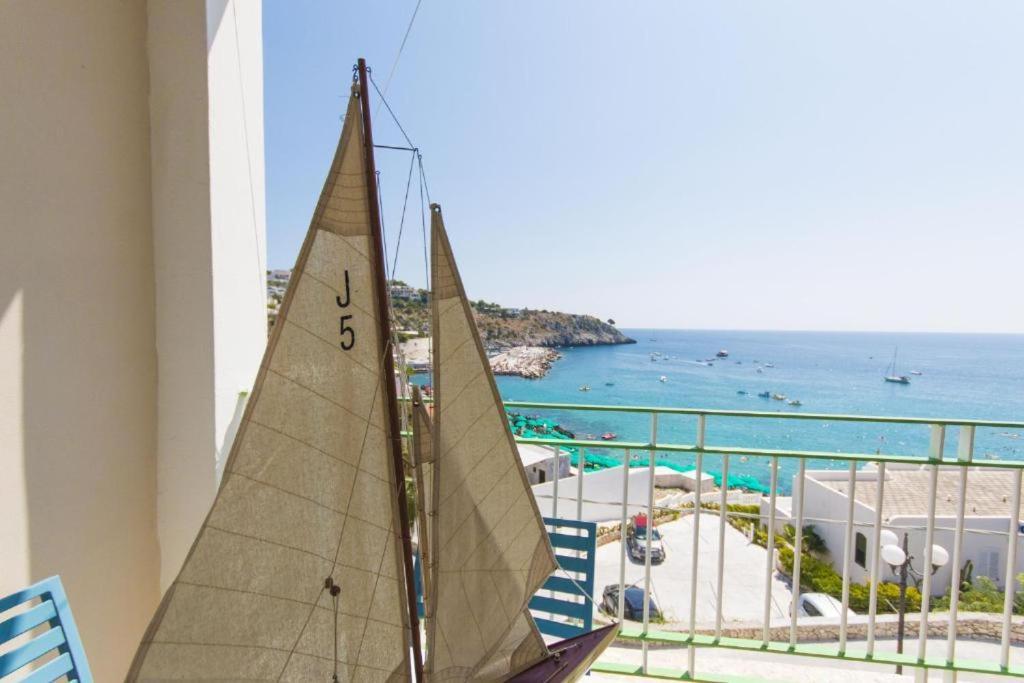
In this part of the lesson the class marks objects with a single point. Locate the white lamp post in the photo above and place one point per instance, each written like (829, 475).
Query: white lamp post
(901, 562)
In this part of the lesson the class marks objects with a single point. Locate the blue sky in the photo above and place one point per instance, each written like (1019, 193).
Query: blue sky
(723, 165)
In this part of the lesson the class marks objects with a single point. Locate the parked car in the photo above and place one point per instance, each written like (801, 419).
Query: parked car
(820, 605)
(633, 604)
(636, 544)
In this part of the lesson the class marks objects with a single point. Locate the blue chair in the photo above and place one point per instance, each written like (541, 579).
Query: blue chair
(581, 538)
(46, 604)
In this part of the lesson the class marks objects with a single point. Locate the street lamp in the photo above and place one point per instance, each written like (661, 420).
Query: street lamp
(901, 562)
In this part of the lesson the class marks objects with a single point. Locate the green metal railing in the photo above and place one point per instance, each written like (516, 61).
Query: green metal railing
(935, 458)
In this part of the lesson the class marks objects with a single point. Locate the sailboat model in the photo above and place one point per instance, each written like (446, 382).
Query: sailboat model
(303, 567)
(891, 374)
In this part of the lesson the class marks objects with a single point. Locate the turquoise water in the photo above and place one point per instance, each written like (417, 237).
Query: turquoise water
(963, 376)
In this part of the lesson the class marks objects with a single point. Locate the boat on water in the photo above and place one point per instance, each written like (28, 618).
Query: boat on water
(765, 394)
(609, 436)
(916, 372)
(890, 372)
(795, 402)
(741, 392)
(609, 384)
(311, 518)
(663, 378)
(779, 397)
(584, 387)
(722, 353)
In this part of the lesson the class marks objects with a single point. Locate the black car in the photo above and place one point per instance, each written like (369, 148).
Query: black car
(636, 545)
(633, 606)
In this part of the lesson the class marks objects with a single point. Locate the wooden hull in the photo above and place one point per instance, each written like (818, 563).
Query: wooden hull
(569, 659)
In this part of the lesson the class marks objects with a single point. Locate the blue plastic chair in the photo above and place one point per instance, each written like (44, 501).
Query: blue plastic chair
(47, 605)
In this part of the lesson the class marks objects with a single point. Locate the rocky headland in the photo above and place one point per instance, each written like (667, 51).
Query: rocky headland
(531, 362)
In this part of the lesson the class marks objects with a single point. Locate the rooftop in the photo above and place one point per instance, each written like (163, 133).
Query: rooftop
(907, 492)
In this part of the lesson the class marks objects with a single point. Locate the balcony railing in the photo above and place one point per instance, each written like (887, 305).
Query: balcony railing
(705, 452)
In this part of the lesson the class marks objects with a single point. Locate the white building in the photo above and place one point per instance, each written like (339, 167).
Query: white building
(280, 275)
(403, 292)
(133, 303)
(905, 509)
(539, 463)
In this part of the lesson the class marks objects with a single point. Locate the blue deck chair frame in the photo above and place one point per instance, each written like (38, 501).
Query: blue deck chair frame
(45, 604)
(559, 596)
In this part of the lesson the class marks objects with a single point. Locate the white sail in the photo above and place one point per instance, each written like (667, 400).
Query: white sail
(308, 491)
(490, 548)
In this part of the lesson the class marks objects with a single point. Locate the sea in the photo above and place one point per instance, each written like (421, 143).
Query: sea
(967, 376)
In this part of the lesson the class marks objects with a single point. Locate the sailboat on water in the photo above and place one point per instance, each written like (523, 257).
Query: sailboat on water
(303, 568)
(890, 373)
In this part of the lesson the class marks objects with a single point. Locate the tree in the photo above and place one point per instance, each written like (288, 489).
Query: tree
(611, 321)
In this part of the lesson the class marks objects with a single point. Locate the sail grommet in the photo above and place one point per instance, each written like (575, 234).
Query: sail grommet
(331, 587)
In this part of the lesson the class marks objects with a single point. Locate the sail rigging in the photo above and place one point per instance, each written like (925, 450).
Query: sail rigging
(489, 546)
(309, 497)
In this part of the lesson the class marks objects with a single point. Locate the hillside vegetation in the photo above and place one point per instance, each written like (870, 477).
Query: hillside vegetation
(502, 327)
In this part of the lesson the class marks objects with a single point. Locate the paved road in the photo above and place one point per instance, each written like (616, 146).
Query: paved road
(670, 581)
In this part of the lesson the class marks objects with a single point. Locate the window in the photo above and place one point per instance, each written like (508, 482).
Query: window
(860, 550)
(811, 610)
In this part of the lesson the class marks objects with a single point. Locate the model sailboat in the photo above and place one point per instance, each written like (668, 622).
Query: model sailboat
(302, 570)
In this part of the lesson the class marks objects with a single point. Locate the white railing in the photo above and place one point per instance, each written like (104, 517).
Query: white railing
(693, 637)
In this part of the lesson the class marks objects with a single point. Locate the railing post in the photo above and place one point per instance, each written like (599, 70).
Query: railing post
(622, 536)
(769, 570)
(798, 547)
(691, 654)
(938, 439)
(554, 504)
(964, 455)
(851, 489)
(723, 504)
(876, 557)
(1011, 566)
(649, 535)
(581, 464)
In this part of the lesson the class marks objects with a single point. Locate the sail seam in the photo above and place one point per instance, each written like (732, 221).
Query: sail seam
(481, 458)
(328, 399)
(330, 344)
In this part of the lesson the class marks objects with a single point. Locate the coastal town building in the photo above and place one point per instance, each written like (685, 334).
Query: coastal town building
(403, 292)
(904, 510)
(133, 303)
(539, 463)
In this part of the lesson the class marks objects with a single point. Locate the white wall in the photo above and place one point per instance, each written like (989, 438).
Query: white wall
(77, 361)
(132, 304)
(982, 535)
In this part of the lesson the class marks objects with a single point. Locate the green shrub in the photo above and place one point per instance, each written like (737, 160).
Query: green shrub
(819, 577)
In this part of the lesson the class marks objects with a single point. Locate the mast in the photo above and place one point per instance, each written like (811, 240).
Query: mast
(384, 323)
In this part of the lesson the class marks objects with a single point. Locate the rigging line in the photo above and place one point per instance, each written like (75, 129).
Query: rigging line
(390, 111)
(396, 147)
(394, 65)
(426, 272)
(260, 274)
(383, 230)
(423, 176)
(401, 223)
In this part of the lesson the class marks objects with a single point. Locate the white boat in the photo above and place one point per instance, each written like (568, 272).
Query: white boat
(663, 378)
(794, 402)
(779, 397)
(891, 374)
(722, 353)
(584, 387)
